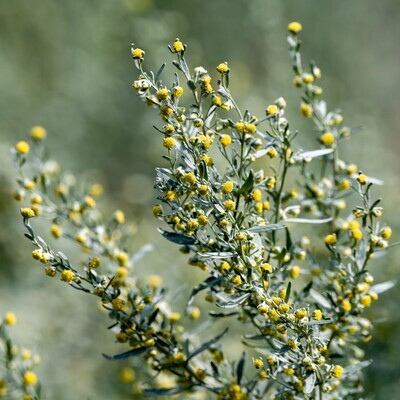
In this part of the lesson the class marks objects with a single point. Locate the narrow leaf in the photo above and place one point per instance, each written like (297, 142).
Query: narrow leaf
(126, 354)
(383, 287)
(177, 237)
(266, 228)
(208, 344)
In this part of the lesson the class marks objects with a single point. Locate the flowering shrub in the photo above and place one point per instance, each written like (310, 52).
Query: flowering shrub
(235, 194)
(17, 379)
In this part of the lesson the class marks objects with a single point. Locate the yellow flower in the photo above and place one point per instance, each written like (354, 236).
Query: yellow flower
(89, 202)
(22, 147)
(236, 280)
(258, 363)
(346, 305)
(240, 126)
(362, 179)
(357, 234)
(166, 111)
(170, 195)
(157, 210)
(250, 128)
(169, 142)
(118, 304)
(127, 375)
(162, 94)
(175, 316)
(257, 195)
(38, 133)
(327, 139)
(344, 184)
(27, 212)
(225, 140)
(229, 205)
(67, 276)
(308, 78)
(96, 190)
(295, 27)
(94, 262)
(10, 318)
(56, 231)
(177, 91)
(202, 220)
(203, 190)
(30, 378)
(137, 53)
(295, 272)
(317, 315)
(195, 313)
(386, 232)
(122, 258)
(178, 46)
(223, 68)
(190, 178)
(306, 110)
(366, 300)
(330, 240)
(154, 281)
(337, 371)
(272, 109)
(119, 216)
(227, 187)
(271, 152)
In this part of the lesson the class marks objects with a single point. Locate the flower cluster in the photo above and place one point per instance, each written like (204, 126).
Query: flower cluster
(234, 194)
(17, 378)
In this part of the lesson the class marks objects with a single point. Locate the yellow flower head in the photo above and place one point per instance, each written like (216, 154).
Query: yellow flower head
(330, 240)
(227, 187)
(10, 318)
(272, 109)
(178, 46)
(258, 363)
(22, 147)
(229, 205)
(225, 140)
(67, 276)
(30, 378)
(177, 91)
(327, 139)
(306, 110)
(223, 68)
(295, 27)
(154, 281)
(119, 216)
(162, 94)
(38, 133)
(27, 212)
(169, 143)
(137, 54)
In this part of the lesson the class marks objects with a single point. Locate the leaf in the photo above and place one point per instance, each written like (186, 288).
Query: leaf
(308, 221)
(159, 72)
(312, 154)
(203, 171)
(233, 301)
(141, 253)
(208, 283)
(151, 306)
(321, 322)
(177, 237)
(320, 299)
(288, 290)
(309, 382)
(164, 392)
(208, 344)
(266, 228)
(383, 287)
(248, 184)
(356, 367)
(217, 254)
(126, 354)
(240, 367)
(222, 314)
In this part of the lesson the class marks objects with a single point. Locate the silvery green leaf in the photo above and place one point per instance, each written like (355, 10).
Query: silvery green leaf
(320, 299)
(308, 221)
(383, 287)
(217, 255)
(356, 367)
(164, 392)
(322, 322)
(240, 367)
(266, 228)
(208, 283)
(126, 354)
(231, 302)
(312, 154)
(177, 237)
(208, 344)
(309, 382)
(260, 153)
(142, 252)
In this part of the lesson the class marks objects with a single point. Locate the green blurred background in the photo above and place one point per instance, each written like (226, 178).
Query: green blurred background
(66, 65)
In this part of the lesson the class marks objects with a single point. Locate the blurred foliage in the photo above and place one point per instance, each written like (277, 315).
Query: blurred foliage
(67, 66)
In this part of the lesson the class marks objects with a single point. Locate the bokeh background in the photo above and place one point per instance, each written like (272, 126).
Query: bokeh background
(66, 65)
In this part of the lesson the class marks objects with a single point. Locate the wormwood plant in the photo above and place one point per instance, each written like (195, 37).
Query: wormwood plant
(17, 379)
(227, 197)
